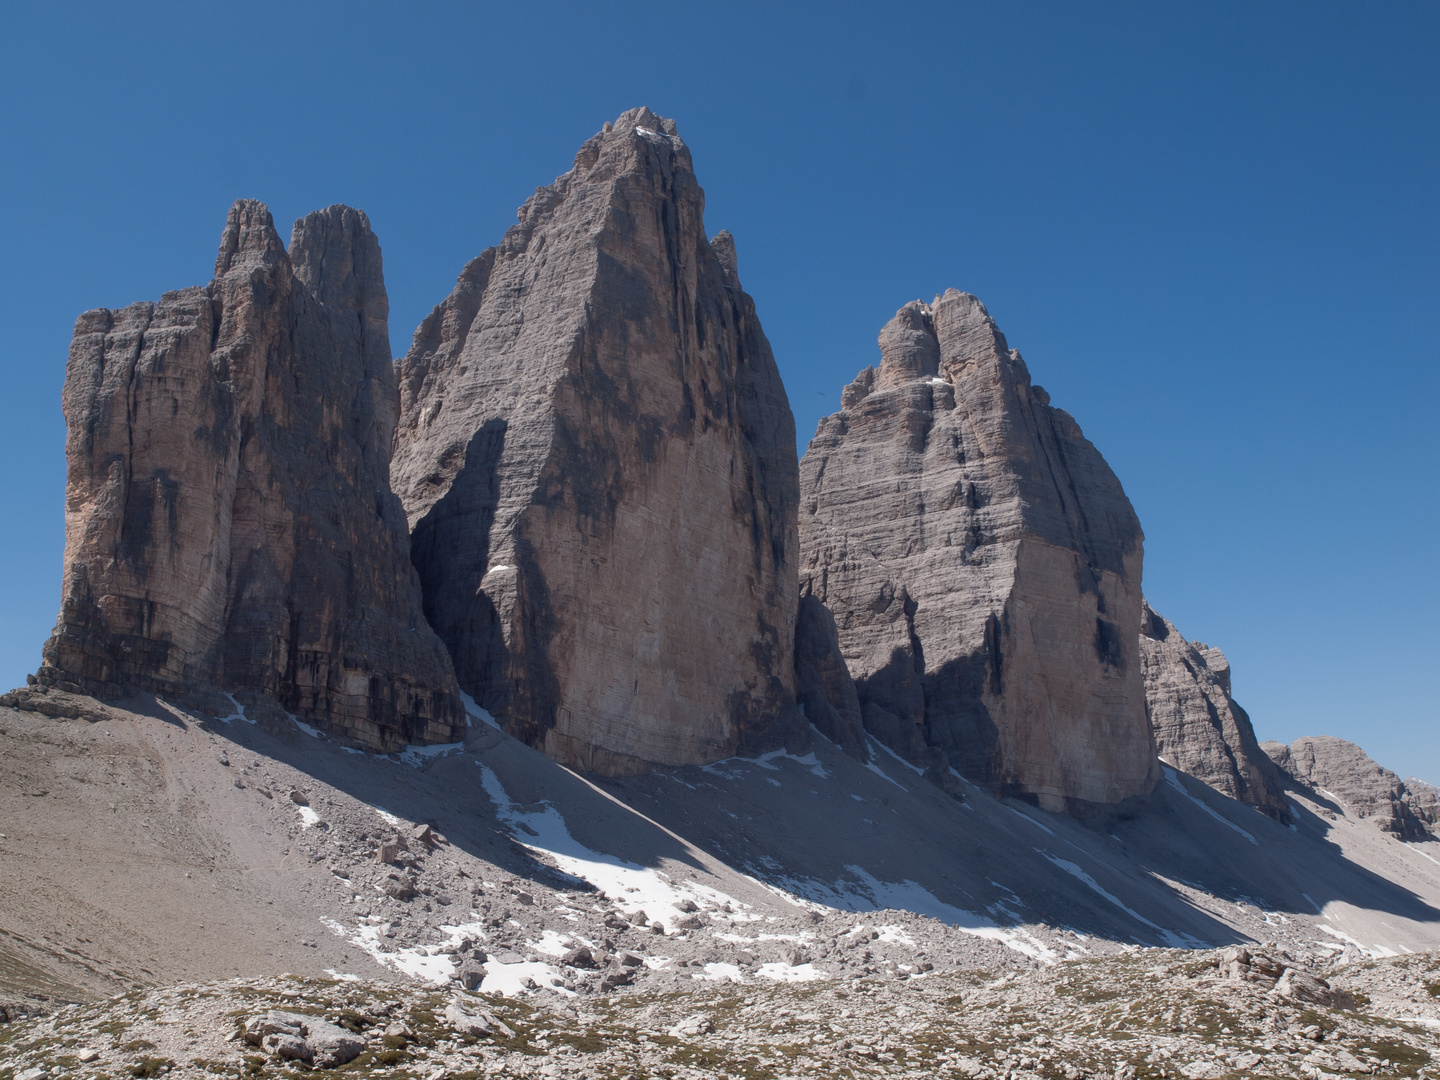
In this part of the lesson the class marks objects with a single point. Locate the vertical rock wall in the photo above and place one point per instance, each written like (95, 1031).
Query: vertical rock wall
(1199, 728)
(598, 462)
(983, 566)
(229, 519)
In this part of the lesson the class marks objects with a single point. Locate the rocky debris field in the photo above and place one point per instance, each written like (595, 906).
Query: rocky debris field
(1146, 1013)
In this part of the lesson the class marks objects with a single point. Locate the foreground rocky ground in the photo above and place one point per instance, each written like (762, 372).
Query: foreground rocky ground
(1147, 1013)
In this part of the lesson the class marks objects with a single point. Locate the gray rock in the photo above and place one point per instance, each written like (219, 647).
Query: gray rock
(331, 1046)
(1424, 800)
(1303, 986)
(822, 681)
(1343, 770)
(467, 1023)
(983, 566)
(1199, 728)
(287, 1047)
(580, 957)
(257, 1028)
(229, 517)
(597, 458)
(298, 797)
(471, 974)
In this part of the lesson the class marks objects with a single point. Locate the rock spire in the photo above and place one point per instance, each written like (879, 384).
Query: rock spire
(983, 566)
(1199, 728)
(229, 519)
(598, 462)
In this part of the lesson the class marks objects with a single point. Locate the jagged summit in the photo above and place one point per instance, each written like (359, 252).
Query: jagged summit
(983, 565)
(597, 459)
(229, 522)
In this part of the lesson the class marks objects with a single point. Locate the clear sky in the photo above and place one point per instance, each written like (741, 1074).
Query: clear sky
(1213, 231)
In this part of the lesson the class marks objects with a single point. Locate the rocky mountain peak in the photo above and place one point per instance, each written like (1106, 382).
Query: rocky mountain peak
(909, 348)
(229, 522)
(596, 456)
(249, 239)
(1338, 768)
(982, 565)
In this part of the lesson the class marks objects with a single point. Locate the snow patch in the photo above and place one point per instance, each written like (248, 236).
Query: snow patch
(545, 831)
(514, 980)
(720, 973)
(867, 893)
(1170, 937)
(1031, 820)
(239, 713)
(785, 973)
(415, 756)
(1174, 778)
(475, 710)
(313, 732)
(308, 817)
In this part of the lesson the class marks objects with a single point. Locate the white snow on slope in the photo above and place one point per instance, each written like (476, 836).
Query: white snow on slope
(1170, 937)
(415, 756)
(865, 892)
(475, 710)
(623, 882)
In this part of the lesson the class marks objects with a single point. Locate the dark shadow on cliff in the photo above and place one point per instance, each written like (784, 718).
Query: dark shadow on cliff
(450, 550)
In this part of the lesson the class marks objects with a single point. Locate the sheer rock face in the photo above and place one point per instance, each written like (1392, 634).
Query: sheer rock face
(1342, 769)
(983, 565)
(823, 681)
(229, 520)
(1199, 729)
(598, 462)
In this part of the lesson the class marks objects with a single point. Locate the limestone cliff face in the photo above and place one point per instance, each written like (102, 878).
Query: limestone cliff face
(1199, 728)
(229, 520)
(983, 565)
(1335, 767)
(598, 463)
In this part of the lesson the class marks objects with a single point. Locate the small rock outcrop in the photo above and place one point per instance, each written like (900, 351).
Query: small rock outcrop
(1199, 728)
(983, 566)
(229, 519)
(597, 458)
(1340, 769)
(1424, 800)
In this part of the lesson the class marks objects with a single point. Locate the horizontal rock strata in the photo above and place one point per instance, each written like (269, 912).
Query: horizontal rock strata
(1336, 768)
(597, 459)
(1199, 728)
(229, 520)
(983, 566)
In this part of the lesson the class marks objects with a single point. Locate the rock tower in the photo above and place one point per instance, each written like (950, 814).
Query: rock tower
(598, 462)
(229, 520)
(983, 566)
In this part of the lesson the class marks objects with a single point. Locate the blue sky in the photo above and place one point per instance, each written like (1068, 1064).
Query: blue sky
(1213, 231)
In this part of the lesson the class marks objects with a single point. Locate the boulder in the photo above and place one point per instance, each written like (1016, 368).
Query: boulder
(1199, 728)
(983, 567)
(471, 974)
(597, 459)
(229, 521)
